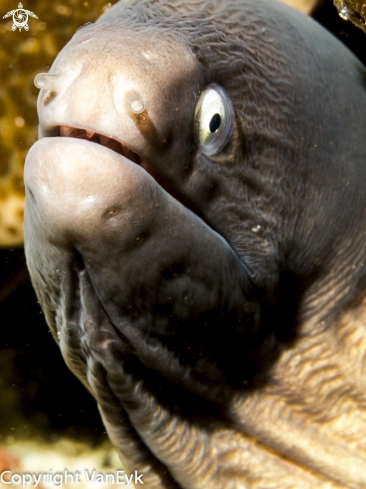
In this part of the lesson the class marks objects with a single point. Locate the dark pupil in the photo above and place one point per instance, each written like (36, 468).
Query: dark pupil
(215, 122)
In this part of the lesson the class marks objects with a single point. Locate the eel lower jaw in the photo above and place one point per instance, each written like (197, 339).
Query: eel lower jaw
(124, 150)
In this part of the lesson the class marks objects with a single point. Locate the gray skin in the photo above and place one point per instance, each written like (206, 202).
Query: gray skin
(213, 306)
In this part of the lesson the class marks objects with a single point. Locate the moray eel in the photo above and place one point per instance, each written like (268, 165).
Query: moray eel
(19, 62)
(195, 232)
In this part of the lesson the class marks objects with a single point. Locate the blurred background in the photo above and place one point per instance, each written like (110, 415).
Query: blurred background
(44, 410)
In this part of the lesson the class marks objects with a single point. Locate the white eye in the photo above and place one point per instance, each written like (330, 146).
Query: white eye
(213, 119)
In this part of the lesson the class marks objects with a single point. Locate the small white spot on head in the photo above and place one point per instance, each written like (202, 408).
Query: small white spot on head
(102, 116)
(146, 55)
(256, 228)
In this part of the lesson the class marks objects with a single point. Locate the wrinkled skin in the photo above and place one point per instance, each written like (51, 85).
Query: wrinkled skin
(17, 97)
(213, 306)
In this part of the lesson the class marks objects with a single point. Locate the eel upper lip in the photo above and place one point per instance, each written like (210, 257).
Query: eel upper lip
(124, 150)
(113, 144)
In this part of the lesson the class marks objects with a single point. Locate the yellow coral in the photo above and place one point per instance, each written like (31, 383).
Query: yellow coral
(23, 55)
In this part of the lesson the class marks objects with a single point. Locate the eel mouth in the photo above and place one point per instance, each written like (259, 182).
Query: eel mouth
(124, 150)
(113, 144)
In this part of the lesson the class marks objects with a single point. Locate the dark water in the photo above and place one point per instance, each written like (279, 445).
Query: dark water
(353, 37)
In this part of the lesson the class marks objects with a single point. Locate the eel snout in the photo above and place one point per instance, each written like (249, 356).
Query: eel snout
(151, 261)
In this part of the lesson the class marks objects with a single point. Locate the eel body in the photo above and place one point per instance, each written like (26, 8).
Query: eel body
(195, 231)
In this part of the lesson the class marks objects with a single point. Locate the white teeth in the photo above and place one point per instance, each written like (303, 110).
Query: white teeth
(90, 134)
(66, 130)
(104, 140)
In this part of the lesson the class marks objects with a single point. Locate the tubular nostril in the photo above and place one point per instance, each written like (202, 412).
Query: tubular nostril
(134, 103)
(46, 80)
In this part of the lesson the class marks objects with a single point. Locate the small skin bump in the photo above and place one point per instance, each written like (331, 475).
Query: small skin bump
(167, 142)
(112, 212)
(142, 237)
(189, 167)
(147, 128)
(137, 241)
